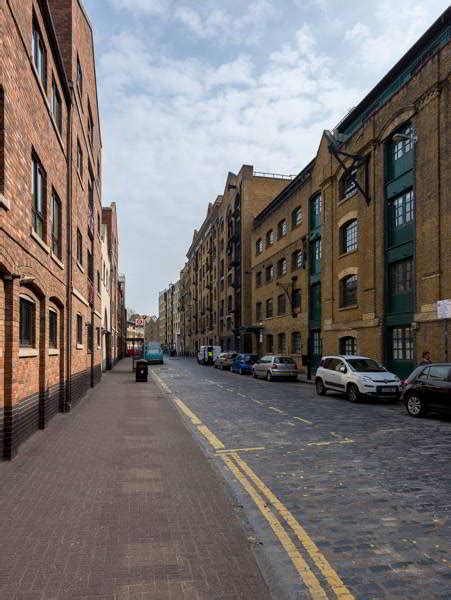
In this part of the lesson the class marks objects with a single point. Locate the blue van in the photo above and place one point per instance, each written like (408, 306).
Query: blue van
(153, 353)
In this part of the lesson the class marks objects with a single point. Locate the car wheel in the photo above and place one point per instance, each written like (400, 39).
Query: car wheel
(415, 405)
(320, 389)
(268, 376)
(353, 393)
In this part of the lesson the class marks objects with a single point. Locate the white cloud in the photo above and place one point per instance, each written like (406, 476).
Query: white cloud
(149, 7)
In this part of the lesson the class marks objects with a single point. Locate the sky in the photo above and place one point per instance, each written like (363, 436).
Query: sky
(192, 89)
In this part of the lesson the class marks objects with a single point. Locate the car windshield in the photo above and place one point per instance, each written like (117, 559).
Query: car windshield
(365, 365)
(284, 360)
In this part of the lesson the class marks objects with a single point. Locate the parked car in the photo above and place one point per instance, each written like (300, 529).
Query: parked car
(275, 367)
(208, 354)
(428, 388)
(153, 353)
(357, 377)
(225, 360)
(242, 363)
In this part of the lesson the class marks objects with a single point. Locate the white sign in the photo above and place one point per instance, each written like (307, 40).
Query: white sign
(444, 309)
(139, 322)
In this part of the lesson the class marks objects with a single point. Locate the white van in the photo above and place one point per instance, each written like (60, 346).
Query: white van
(208, 354)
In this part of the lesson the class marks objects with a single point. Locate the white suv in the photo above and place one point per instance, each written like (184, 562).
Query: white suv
(356, 376)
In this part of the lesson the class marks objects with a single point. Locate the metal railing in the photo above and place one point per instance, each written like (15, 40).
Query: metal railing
(273, 175)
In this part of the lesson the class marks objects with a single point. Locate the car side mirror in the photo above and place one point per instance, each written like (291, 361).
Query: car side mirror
(343, 369)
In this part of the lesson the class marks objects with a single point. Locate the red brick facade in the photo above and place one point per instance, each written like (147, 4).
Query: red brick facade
(50, 214)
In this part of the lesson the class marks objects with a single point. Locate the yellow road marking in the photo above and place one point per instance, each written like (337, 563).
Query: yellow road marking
(276, 409)
(226, 451)
(314, 552)
(303, 420)
(210, 436)
(306, 574)
(195, 420)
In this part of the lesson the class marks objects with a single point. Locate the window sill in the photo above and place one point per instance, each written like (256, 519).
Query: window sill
(343, 254)
(343, 200)
(41, 242)
(80, 267)
(57, 261)
(80, 346)
(54, 351)
(4, 203)
(351, 307)
(28, 352)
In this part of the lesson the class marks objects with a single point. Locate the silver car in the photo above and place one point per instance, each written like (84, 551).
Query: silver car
(273, 367)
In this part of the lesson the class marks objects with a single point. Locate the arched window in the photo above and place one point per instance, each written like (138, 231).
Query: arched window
(296, 217)
(269, 343)
(282, 267)
(348, 292)
(348, 237)
(296, 343)
(27, 338)
(348, 345)
(282, 229)
(53, 328)
(270, 238)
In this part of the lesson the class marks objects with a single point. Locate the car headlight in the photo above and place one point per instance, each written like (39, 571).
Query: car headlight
(365, 378)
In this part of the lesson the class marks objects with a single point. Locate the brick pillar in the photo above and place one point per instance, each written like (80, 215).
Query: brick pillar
(11, 360)
(43, 360)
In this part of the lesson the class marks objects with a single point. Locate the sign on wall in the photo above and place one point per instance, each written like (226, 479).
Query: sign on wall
(444, 309)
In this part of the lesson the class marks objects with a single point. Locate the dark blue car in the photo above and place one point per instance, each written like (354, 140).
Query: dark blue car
(243, 363)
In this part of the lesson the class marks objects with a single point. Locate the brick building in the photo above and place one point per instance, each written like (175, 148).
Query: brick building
(50, 205)
(365, 252)
(110, 333)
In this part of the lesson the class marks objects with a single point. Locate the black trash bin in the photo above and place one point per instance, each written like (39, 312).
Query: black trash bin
(142, 370)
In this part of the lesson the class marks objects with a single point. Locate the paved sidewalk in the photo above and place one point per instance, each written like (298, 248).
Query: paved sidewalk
(117, 501)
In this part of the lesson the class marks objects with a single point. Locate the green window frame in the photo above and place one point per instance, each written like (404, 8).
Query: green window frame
(348, 345)
(402, 343)
(402, 276)
(27, 323)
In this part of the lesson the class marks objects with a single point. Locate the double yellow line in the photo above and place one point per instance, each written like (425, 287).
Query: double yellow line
(313, 568)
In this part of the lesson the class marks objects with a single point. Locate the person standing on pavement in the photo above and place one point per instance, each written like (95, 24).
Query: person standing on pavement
(426, 360)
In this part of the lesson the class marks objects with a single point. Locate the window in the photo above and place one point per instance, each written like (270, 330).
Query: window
(269, 343)
(90, 125)
(90, 338)
(315, 257)
(57, 111)
(258, 311)
(316, 342)
(270, 238)
(282, 229)
(98, 336)
(296, 343)
(269, 273)
(39, 55)
(269, 308)
(439, 373)
(229, 304)
(403, 146)
(79, 248)
(349, 237)
(296, 300)
(27, 323)
(348, 345)
(401, 279)
(53, 329)
(296, 217)
(315, 211)
(56, 225)
(79, 159)
(402, 343)
(297, 260)
(259, 246)
(38, 192)
(282, 267)
(349, 291)
(98, 282)
(282, 343)
(349, 183)
(258, 279)
(403, 209)
(79, 78)
(281, 305)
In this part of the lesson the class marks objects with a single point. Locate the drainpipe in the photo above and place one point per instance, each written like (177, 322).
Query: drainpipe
(68, 391)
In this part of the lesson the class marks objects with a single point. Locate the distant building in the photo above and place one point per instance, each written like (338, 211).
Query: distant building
(152, 329)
